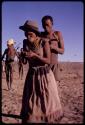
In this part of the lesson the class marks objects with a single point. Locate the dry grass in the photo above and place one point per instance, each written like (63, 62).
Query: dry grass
(71, 92)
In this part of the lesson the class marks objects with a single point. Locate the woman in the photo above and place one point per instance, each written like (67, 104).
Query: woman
(56, 43)
(40, 101)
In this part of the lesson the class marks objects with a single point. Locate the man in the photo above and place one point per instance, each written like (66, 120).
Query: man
(10, 53)
(56, 43)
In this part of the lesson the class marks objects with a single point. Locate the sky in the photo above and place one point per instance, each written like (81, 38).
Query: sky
(67, 16)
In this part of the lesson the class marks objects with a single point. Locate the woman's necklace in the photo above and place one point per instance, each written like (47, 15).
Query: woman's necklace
(36, 43)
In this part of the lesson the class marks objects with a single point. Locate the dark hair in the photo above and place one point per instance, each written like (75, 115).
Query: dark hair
(31, 30)
(46, 18)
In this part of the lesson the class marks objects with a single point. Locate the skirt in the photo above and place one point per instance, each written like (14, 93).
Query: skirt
(40, 102)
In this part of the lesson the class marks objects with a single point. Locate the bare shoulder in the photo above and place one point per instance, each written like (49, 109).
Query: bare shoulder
(6, 50)
(59, 33)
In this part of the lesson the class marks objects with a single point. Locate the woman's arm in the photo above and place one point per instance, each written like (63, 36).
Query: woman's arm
(46, 51)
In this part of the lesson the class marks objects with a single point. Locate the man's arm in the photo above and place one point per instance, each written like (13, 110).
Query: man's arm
(4, 54)
(59, 49)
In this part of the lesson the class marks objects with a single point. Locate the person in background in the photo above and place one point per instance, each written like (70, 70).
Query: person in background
(10, 54)
(56, 43)
(40, 101)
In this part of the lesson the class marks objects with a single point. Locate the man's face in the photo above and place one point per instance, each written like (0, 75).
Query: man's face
(31, 36)
(48, 25)
(10, 46)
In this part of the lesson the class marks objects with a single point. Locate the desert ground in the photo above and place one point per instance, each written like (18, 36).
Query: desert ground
(70, 87)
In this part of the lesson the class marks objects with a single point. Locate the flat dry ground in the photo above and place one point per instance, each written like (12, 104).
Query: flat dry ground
(70, 87)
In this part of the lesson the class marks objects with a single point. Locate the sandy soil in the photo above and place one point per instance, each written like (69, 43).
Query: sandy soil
(70, 87)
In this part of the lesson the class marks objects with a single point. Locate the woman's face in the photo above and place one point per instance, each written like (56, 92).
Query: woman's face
(48, 25)
(31, 36)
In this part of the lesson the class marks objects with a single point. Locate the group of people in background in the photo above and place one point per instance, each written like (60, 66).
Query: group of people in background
(40, 101)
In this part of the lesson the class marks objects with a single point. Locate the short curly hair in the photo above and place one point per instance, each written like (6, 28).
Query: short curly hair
(46, 18)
